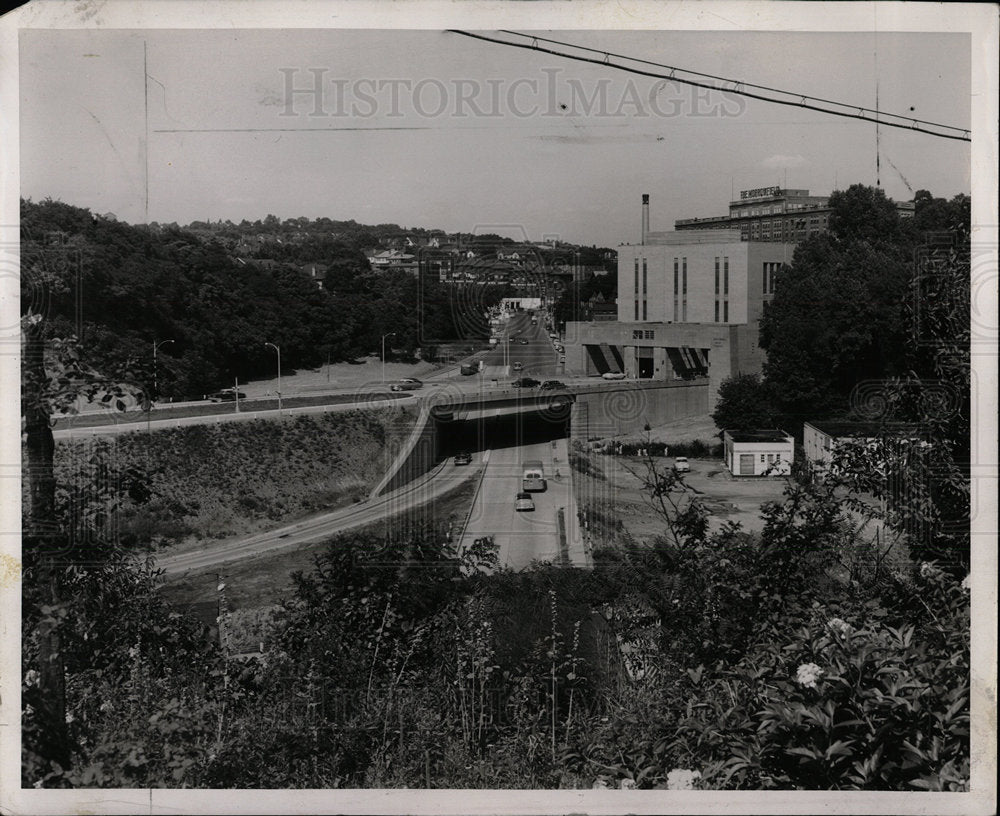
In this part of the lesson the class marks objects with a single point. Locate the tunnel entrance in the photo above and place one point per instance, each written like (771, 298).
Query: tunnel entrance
(507, 431)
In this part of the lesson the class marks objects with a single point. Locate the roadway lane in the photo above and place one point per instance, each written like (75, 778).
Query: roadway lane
(442, 479)
(526, 536)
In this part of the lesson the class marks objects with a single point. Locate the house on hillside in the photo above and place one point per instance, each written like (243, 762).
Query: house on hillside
(392, 260)
(316, 271)
(758, 453)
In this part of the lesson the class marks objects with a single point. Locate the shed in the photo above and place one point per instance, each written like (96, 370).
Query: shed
(759, 453)
(821, 439)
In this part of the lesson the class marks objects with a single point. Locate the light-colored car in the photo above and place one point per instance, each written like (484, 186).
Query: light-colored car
(523, 501)
(681, 464)
(613, 375)
(518, 366)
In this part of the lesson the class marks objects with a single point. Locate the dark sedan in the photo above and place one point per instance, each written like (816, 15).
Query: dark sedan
(525, 382)
(552, 384)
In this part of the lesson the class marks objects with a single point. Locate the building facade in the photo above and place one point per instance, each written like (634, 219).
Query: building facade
(689, 306)
(775, 214)
(758, 453)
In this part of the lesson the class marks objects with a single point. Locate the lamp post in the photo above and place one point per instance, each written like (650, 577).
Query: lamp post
(155, 347)
(277, 349)
(390, 334)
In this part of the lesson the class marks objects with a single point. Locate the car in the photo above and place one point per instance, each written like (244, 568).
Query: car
(411, 380)
(525, 382)
(406, 385)
(550, 384)
(681, 464)
(523, 501)
(227, 395)
(463, 458)
(518, 366)
(613, 375)
(523, 342)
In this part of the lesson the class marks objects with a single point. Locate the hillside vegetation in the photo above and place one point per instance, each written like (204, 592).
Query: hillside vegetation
(213, 481)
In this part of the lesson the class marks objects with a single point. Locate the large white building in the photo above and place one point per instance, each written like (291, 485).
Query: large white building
(689, 305)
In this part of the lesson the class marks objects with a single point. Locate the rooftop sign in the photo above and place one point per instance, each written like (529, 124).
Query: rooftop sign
(760, 192)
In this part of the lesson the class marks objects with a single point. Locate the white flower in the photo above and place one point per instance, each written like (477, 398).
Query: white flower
(31, 677)
(929, 571)
(967, 582)
(599, 784)
(808, 674)
(681, 779)
(627, 784)
(842, 627)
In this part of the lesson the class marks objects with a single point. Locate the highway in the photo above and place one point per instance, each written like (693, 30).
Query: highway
(526, 536)
(427, 488)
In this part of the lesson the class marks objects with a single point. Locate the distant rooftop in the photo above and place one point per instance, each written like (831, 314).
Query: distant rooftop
(844, 429)
(769, 435)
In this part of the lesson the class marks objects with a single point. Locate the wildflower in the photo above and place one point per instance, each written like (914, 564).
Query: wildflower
(808, 674)
(929, 571)
(627, 784)
(599, 784)
(842, 627)
(31, 677)
(967, 582)
(681, 779)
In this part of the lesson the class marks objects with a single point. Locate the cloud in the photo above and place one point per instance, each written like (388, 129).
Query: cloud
(780, 162)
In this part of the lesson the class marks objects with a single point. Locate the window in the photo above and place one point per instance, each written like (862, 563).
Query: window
(635, 277)
(725, 312)
(777, 457)
(649, 334)
(716, 311)
(637, 334)
(725, 288)
(716, 277)
(762, 457)
(684, 276)
(644, 276)
(770, 458)
(675, 277)
(644, 310)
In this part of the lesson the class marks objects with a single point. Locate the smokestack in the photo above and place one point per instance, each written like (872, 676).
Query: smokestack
(645, 216)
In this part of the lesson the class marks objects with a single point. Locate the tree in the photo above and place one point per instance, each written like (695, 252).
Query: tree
(863, 213)
(53, 378)
(745, 403)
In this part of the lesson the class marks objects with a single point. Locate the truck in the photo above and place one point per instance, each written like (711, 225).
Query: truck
(533, 476)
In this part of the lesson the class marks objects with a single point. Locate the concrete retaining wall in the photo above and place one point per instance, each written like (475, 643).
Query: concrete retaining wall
(629, 411)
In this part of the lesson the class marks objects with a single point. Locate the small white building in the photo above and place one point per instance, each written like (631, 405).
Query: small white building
(759, 453)
(820, 440)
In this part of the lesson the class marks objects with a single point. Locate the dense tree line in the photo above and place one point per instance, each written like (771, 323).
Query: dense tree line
(870, 322)
(120, 288)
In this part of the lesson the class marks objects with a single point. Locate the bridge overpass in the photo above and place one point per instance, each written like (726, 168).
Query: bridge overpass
(466, 417)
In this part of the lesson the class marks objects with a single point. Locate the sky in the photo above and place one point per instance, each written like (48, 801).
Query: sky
(432, 129)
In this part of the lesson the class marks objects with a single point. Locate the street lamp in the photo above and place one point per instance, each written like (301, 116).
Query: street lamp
(155, 347)
(277, 349)
(390, 334)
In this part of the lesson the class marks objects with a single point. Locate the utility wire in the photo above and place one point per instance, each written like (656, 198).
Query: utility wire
(738, 87)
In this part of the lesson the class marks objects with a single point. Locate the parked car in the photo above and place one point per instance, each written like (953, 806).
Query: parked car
(523, 501)
(681, 464)
(227, 395)
(525, 382)
(411, 380)
(463, 458)
(549, 384)
(523, 342)
(405, 385)
(518, 366)
(613, 375)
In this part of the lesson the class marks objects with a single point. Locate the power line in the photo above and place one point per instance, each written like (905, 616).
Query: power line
(738, 87)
